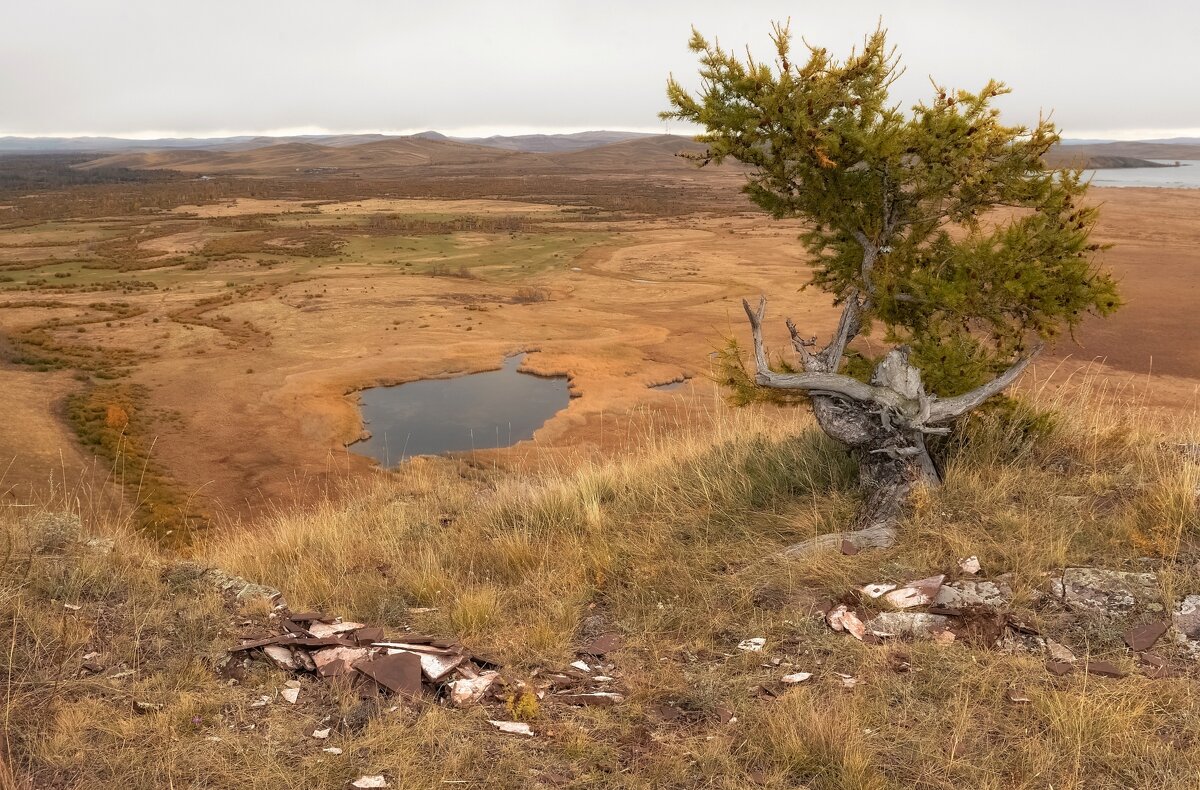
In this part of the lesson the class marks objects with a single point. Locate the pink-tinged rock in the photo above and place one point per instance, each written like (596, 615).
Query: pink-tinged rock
(468, 691)
(918, 593)
(842, 619)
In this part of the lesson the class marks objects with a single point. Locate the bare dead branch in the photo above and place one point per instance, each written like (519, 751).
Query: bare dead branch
(825, 383)
(952, 408)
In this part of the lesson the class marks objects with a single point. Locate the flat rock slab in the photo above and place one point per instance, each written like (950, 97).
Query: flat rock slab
(970, 593)
(1143, 637)
(919, 625)
(1186, 619)
(1107, 592)
(399, 672)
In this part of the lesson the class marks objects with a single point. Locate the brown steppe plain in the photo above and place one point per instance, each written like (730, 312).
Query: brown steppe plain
(232, 309)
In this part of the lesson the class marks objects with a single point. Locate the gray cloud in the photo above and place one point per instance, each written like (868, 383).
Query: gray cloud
(191, 68)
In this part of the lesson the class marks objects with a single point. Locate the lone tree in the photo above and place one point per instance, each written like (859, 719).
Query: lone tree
(941, 228)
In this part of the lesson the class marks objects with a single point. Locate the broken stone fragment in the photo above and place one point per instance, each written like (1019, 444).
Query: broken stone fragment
(841, 618)
(1105, 591)
(333, 661)
(146, 707)
(1059, 653)
(603, 698)
(291, 695)
(512, 727)
(916, 593)
(1105, 669)
(796, 677)
(397, 672)
(281, 657)
(603, 644)
(1059, 668)
(468, 691)
(876, 590)
(1143, 637)
(754, 644)
(918, 625)
(364, 782)
(1186, 619)
(321, 630)
(190, 572)
(970, 565)
(971, 593)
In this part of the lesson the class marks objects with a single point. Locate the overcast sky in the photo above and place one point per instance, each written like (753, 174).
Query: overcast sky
(1108, 68)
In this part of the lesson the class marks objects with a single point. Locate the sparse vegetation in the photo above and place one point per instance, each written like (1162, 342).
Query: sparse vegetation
(664, 545)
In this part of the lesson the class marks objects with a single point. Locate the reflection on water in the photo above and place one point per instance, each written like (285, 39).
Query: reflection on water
(1186, 176)
(480, 411)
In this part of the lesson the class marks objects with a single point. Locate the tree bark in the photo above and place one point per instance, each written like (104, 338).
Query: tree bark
(884, 423)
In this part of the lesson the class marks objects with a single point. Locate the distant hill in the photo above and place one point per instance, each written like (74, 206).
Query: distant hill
(653, 153)
(292, 157)
(1080, 154)
(535, 143)
(543, 143)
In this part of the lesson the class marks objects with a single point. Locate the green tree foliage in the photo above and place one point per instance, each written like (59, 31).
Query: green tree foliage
(941, 225)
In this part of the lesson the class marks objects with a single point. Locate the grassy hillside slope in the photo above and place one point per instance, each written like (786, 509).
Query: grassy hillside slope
(672, 547)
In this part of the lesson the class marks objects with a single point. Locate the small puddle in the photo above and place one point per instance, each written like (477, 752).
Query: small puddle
(479, 411)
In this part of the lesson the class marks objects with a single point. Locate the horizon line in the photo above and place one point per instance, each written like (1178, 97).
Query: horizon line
(1115, 135)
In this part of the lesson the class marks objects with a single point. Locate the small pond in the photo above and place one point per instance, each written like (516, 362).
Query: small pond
(475, 412)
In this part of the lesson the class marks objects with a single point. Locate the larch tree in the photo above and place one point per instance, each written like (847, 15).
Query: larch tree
(939, 230)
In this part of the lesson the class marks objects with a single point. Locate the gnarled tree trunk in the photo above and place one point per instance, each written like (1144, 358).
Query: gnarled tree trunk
(884, 422)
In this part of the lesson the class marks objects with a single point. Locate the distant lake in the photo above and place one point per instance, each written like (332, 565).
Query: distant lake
(497, 408)
(1185, 177)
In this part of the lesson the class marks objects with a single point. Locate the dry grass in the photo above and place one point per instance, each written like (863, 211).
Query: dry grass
(665, 545)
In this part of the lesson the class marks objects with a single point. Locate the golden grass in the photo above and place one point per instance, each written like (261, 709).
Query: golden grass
(666, 545)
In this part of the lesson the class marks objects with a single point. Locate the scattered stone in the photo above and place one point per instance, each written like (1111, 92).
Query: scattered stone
(321, 630)
(281, 657)
(1059, 668)
(512, 727)
(363, 782)
(291, 695)
(754, 644)
(71, 607)
(918, 625)
(796, 677)
(841, 618)
(146, 707)
(100, 545)
(332, 750)
(917, 593)
(1104, 669)
(399, 673)
(1186, 619)
(970, 565)
(972, 593)
(1016, 696)
(603, 698)
(1105, 591)
(582, 666)
(469, 691)
(1143, 637)
(603, 644)
(261, 702)
(1059, 652)
(188, 572)
(876, 590)
(849, 548)
(847, 681)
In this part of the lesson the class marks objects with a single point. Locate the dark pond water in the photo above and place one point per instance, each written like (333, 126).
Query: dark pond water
(476, 412)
